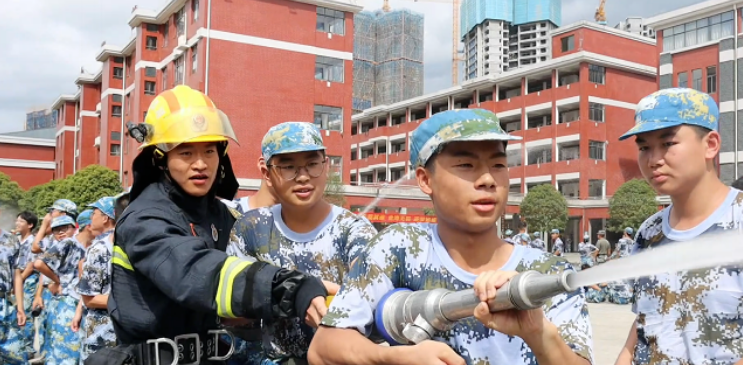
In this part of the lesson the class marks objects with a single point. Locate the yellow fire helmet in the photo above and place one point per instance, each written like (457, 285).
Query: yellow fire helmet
(184, 115)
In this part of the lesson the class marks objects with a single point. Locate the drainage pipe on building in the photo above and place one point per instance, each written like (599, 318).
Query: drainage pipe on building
(123, 117)
(78, 121)
(735, 90)
(208, 45)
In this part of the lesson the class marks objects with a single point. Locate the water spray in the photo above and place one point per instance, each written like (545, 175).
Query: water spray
(410, 317)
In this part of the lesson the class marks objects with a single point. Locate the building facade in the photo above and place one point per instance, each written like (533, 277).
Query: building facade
(698, 48)
(388, 57)
(40, 119)
(27, 157)
(570, 110)
(637, 25)
(258, 73)
(506, 34)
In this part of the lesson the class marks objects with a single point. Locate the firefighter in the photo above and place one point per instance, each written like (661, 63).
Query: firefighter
(172, 281)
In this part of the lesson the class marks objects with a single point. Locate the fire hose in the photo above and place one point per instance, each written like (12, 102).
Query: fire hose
(406, 317)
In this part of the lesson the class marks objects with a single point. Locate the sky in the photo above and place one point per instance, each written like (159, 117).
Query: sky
(47, 42)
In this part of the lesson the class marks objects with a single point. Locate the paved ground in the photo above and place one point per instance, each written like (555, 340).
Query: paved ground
(611, 325)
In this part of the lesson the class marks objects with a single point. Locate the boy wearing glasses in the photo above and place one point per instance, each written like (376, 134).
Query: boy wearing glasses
(303, 232)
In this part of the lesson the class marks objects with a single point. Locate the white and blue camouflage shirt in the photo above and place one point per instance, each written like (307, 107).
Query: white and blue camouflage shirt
(326, 252)
(412, 256)
(25, 256)
(63, 258)
(9, 251)
(690, 317)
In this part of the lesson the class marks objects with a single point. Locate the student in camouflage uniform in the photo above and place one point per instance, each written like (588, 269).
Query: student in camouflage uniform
(60, 264)
(95, 280)
(557, 246)
(12, 318)
(624, 244)
(85, 236)
(24, 224)
(537, 242)
(688, 317)
(509, 237)
(304, 232)
(587, 251)
(619, 292)
(459, 158)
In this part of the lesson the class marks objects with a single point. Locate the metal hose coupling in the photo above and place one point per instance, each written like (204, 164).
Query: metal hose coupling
(407, 317)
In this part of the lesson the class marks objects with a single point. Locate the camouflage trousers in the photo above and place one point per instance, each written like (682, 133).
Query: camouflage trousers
(64, 346)
(97, 333)
(29, 291)
(12, 344)
(618, 298)
(596, 296)
(586, 260)
(249, 353)
(44, 319)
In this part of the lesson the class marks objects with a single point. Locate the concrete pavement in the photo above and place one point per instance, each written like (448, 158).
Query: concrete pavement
(611, 324)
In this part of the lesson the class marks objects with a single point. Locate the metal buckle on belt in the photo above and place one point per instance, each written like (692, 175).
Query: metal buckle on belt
(215, 354)
(192, 345)
(166, 341)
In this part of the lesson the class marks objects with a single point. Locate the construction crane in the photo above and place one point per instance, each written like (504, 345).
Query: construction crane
(600, 15)
(455, 57)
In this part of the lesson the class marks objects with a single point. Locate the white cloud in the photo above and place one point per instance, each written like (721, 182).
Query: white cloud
(52, 39)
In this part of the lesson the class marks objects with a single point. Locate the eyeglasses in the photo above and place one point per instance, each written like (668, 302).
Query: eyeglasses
(290, 172)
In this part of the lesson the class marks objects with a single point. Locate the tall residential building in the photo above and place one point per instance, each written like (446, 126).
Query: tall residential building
(41, 119)
(262, 62)
(698, 49)
(501, 35)
(388, 57)
(637, 25)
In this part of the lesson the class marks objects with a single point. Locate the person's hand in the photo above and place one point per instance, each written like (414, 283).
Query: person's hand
(38, 303)
(75, 325)
(21, 314)
(431, 353)
(315, 312)
(332, 288)
(55, 289)
(511, 322)
(47, 220)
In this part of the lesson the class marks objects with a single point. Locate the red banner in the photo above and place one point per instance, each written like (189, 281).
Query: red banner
(400, 218)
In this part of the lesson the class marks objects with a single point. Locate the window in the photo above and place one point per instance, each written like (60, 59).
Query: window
(180, 21)
(569, 152)
(331, 21)
(597, 74)
(194, 58)
(568, 43)
(150, 72)
(712, 79)
(166, 34)
(539, 155)
(116, 98)
(165, 77)
(513, 157)
(195, 9)
(151, 43)
(597, 150)
(118, 73)
(115, 150)
(329, 69)
(116, 111)
(118, 59)
(683, 79)
(596, 189)
(150, 88)
(153, 28)
(116, 136)
(179, 70)
(335, 163)
(328, 118)
(696, 79)
(699, 31)
(596, 112)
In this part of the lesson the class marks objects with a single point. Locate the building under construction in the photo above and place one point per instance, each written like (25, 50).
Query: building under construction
(388, 57)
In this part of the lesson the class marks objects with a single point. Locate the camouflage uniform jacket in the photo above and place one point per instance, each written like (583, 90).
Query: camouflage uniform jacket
(63, 258)
(413, 256)
(25, 256)
(326, 253)
(9, 251)
(689, 317)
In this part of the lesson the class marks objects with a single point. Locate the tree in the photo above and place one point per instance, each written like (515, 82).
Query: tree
(334, 191)
(544, 208)
(90, 184)
(631, 205)
(40, 197)
(10, 192)
(429, 211)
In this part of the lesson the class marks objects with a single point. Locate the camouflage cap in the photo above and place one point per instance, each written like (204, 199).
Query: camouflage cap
(64, 220)
(629, 230)
(509, 232)
(454, 126)
(291, 137)
(64, 205)
(555, 231)
(105, 205)
(537, 234)
(85, 218)
(669, 108)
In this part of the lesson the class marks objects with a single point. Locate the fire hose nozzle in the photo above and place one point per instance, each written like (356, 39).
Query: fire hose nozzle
(404, 316)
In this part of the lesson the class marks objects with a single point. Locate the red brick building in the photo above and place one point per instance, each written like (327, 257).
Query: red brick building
(570, 110)
(698, 48)
(257, 73)
(27, 157)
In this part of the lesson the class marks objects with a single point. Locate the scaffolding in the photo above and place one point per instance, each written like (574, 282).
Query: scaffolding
(388, 57)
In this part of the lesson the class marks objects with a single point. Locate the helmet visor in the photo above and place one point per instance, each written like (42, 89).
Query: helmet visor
(191, 125)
